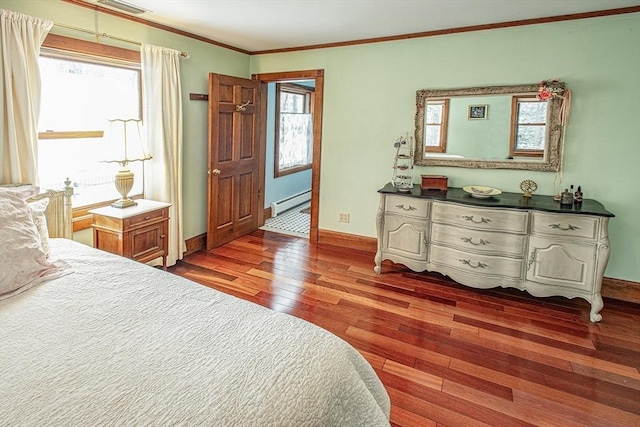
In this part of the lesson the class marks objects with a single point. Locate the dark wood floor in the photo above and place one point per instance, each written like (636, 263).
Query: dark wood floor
(447, 354)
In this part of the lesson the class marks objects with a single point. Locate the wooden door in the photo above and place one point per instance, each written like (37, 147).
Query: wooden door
(236, 160)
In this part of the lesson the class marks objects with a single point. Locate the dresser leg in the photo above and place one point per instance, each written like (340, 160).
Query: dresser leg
(596, 306)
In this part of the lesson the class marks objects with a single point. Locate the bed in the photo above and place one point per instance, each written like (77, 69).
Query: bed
(109, 341)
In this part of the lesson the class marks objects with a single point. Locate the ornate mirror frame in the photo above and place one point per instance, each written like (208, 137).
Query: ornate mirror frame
(553, 145)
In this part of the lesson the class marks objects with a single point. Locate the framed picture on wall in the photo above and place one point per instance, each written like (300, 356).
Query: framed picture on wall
(478, 112)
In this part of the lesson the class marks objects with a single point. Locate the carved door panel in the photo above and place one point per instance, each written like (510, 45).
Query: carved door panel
(563, 263)
(235, 163)
(405, 237)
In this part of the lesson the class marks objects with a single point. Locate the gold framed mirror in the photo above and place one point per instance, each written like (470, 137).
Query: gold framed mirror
(493, 127)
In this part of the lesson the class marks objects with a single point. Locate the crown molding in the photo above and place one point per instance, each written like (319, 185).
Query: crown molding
(518, 23)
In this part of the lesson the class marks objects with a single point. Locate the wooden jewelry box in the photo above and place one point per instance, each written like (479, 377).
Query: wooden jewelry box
(434, 182)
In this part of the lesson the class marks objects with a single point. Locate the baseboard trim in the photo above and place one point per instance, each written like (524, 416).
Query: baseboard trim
(624, 290)
(352, 241)
(196, 243)
(267, 213)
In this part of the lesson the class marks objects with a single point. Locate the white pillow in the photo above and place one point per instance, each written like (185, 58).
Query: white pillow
(24, 263)
(40, 220)
(23, 191)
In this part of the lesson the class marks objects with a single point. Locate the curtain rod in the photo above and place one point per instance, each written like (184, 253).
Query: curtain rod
(105, 35)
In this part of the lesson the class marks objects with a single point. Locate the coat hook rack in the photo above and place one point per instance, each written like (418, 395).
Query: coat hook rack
(198, 97)
(242, 107)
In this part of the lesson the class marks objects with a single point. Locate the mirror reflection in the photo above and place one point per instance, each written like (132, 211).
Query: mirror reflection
(516, 127)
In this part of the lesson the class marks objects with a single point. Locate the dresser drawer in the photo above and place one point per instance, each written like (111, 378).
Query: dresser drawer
(479, 218)
(146, 218)
(565, 225)
(489, 242)
(410, 206)
(476, 263)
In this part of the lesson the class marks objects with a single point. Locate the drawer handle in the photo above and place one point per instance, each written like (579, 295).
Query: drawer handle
(470, 240)
(468, 262)
(569, 227)
(147, 218)
(410, 208)
(483, 220)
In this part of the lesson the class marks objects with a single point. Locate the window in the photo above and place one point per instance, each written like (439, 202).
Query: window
(79, 93)
(436, 119)
(293, 128)
(529, 129)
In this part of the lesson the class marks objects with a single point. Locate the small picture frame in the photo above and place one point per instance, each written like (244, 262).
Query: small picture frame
(478, 112)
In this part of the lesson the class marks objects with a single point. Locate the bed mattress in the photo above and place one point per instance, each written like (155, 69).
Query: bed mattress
(116, 342)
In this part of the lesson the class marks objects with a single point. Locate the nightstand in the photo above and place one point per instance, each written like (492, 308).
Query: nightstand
(138, 232)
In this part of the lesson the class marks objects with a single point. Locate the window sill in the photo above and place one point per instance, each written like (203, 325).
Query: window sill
(293, 169)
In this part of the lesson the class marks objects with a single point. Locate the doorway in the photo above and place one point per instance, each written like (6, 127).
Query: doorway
(292, 76)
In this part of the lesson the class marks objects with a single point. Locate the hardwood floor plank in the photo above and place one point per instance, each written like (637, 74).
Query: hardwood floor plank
(613, 395)
(403, 418)
(445, 408)
(549, 408)
(462, 378)
(449, 355)
(402, 347)
(571, 401)
(415, 375)
(613, 377)
(538, 413)
(514, 350)
(586, 359)
(562, 341)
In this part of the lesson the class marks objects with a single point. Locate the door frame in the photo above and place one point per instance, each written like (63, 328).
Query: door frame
(318, 76)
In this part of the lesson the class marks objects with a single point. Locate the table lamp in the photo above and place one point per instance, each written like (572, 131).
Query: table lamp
(125, 145)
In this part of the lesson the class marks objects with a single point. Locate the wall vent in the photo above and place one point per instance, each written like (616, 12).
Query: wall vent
(117, 4)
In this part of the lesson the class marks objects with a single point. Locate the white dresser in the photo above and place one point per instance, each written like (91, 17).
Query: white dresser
(509, 241)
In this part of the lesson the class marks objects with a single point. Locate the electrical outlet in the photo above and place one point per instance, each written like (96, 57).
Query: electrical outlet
(343, 217)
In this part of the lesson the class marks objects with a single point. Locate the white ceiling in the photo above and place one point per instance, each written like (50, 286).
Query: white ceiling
(257, 25)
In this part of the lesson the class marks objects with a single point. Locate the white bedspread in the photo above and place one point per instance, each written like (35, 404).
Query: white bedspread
(120, 343)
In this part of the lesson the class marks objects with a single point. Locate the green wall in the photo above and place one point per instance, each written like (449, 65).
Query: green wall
(369, 101)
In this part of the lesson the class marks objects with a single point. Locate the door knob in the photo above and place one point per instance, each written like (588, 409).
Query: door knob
(214, 171)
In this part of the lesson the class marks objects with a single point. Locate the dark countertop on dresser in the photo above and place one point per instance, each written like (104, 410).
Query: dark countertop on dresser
(504, 200)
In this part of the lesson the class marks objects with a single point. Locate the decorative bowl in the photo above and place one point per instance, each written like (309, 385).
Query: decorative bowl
(481, 192)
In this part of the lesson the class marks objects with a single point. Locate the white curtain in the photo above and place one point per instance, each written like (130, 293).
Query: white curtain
(20, 39)
(162, 100)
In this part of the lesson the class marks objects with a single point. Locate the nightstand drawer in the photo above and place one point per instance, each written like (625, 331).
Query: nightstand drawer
(145, 218)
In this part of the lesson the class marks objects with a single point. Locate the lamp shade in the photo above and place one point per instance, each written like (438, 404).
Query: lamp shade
(124, 142)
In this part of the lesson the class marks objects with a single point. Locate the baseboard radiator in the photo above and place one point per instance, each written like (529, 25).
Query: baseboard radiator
(285, 204)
